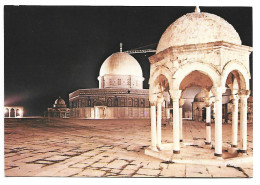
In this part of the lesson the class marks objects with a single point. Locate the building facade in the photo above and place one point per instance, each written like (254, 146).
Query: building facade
(59, 109)
(120, 94)
(203, 50)
(13, 111)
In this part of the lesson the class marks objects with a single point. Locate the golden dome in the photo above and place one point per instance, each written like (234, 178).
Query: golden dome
(195, 28)
(121, 63)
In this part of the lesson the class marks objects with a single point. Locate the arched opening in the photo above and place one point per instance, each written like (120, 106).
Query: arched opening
(191, 85)
(196, 114)
(160, 91)
(188, 94)
(12, 113)
(238, 108)
(6, 112)
(196, 87)
(236, 77)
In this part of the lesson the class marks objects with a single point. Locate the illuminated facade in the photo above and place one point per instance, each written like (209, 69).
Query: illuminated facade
(59, 109)
(202, 50)
(120, 94)
(13, 111)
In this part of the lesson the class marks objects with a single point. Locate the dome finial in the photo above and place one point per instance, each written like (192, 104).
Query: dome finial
(121, 46)
(197, 9)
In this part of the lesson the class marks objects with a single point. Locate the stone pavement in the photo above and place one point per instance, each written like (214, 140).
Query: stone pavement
(103, 148)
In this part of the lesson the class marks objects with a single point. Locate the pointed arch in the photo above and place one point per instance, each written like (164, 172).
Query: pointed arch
(160, 71)
(244, 74)
(189, 67)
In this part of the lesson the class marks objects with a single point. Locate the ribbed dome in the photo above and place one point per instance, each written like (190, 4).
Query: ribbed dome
(195, 28)
(121, 63)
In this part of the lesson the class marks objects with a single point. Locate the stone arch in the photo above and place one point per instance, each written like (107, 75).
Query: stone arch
(202, 88)
(244, 74)
(159, 86)
(189, 67)
(160, 71)
(12, 112)
(99, 103)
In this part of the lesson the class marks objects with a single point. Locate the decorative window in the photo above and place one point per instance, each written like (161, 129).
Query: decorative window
(119, 81)
(130, 102)
(109, 102)
(110, 81)
(128, 81)
(116, 102)
(142, 103)
(89, 103)
(122, 102)
(136, 103)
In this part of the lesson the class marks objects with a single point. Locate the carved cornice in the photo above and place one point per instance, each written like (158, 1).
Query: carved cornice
(199, 47)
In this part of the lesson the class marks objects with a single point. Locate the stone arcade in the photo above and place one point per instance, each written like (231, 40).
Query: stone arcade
(200, 49)
(13, 111)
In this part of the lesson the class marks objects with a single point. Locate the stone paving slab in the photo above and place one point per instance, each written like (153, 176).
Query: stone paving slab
(106, 148)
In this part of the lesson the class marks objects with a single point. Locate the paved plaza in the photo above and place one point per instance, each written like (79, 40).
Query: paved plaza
(105, 148)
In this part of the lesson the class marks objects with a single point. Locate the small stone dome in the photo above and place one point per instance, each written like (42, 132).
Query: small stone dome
(59, 103)
(121, 63)
(195, 28)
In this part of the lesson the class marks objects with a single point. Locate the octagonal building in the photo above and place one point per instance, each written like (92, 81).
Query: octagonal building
(120, 94)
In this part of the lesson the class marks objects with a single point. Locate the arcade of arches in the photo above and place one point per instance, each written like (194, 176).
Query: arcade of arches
(189, 55)
(13, 112)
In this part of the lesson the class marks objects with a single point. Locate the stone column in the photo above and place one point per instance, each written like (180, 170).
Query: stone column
(96, 112)
(9, 111)
(168, 113)
(181, 103)
(175, 95)
(159, 121)
(208, 121)
(153, 126)
(92, 112)
(234, 119)
(243, 95)
(218, 120)
(15, 112)
(200, 114)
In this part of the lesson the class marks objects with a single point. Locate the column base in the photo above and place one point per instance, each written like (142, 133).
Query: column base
(154, 148)
(207, 143)
(181, 140)
(242, 151)
(208, 124)
(234, 146)
(217, 155)
(176, 151)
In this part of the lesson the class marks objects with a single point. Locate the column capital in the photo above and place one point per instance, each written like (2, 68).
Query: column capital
(175, 94)
(181, 102)
(244, 93)
(160, 99)
(153, 99)
(234, 97)
(207, 101)
(218, 91)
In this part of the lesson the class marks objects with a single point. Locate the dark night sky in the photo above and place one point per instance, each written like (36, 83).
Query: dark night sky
(51, 51)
